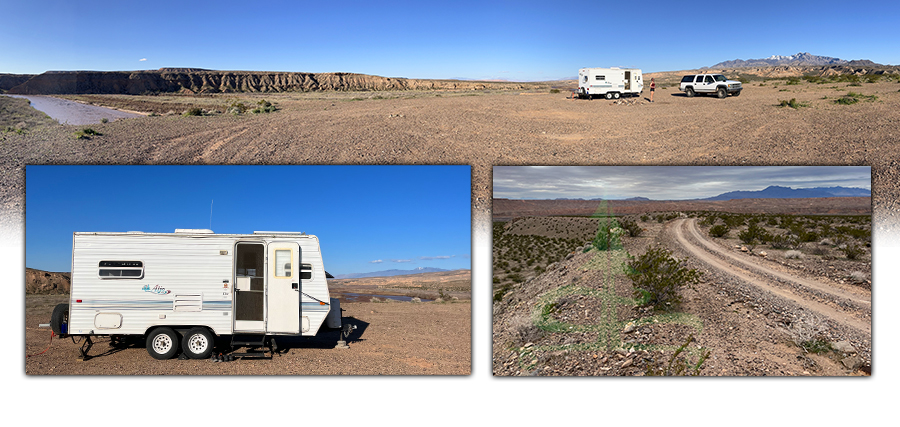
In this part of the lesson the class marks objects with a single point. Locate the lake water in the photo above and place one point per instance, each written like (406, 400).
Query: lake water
(73, 113)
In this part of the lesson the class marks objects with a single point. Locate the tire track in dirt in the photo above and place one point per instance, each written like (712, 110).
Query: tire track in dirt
(756, 279)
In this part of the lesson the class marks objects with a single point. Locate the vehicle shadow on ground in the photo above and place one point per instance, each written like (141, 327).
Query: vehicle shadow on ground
(325, 339)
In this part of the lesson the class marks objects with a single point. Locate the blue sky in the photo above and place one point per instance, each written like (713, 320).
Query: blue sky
(403, 216)
(665, 182)
(521, 40)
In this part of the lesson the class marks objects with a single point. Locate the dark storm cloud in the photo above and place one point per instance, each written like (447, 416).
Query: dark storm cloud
(665, 182)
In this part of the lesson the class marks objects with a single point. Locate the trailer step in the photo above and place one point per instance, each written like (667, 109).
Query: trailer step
(248, 340)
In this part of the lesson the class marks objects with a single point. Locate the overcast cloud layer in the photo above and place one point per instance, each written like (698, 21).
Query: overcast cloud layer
(665, 182)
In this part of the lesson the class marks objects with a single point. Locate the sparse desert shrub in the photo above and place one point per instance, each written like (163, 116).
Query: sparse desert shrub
(858, 276)
(793, 255)
(718, 230)
(554, 90)
(853, 97)
(645, 218)
(263, 106)
(852, 251)
(754, 234)
(86, 133)
(656, 277)
(793, 103)
(633, 229)
(608, 235)
(816, 345)
(193, 111)
(783, 241)
(104, 120)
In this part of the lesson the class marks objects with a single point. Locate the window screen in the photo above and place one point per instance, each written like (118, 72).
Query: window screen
(283, 263)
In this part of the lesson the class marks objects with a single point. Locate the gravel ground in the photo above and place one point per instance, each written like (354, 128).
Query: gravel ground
(483, 129)
(391, 339)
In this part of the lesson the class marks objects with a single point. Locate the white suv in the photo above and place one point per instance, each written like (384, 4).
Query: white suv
(710, 83)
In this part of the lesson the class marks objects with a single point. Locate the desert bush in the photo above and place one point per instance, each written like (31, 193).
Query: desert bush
(86, 133)
(858, 276)
(754, 234)
(783, 241)
(816, 345)
(718, 230)
(793, 255)
(656, 277)
(193, 111)
(852, 251)
(793, 103)
(645, 218)
(104, 120)
(554, 90)
(633, 229)
(263, 106)
(608, 235)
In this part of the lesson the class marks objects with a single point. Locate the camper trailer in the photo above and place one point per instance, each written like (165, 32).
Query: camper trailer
(184, 289)
(610, 83)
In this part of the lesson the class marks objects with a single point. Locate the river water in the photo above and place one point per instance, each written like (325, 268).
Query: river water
(73, 113)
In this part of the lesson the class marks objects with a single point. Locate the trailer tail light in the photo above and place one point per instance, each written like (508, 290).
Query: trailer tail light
(78, 300)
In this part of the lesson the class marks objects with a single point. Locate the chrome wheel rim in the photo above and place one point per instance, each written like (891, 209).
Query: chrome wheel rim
(162, 343)
(197, 343)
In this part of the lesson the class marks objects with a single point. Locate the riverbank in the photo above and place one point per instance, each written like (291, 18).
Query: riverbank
(75, 113)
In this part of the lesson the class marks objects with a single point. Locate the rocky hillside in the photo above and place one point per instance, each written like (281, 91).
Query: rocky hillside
(171, 80)
(45, 282)
(9, 81)
(802, 59)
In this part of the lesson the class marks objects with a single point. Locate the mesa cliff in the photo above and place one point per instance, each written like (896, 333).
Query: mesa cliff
(169, 80)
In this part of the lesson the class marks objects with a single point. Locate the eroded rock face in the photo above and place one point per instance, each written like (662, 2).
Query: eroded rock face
(206, 81)
(45, 282)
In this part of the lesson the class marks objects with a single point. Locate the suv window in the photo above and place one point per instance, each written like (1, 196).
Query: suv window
(687, 79)
(720, 78)
(709, 79)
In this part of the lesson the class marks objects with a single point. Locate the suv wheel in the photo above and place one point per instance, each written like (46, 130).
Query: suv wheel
(689, 92)
(721, 93)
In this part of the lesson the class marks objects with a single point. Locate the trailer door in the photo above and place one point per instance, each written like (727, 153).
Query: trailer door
(283, 292)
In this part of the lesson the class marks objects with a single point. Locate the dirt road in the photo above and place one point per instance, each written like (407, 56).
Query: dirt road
(846, 309)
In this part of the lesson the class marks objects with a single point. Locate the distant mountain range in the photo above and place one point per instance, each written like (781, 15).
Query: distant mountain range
(776, 192)
(802, 58)
(387, 273)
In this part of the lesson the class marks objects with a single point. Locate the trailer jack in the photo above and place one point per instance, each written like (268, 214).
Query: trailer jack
(85, 348)
(346, 329)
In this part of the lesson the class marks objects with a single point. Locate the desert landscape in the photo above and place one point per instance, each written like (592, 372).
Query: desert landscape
(775, 293)
(391, 337)
(838, 115)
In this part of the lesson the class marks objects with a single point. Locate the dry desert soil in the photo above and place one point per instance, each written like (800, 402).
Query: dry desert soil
(484, 128)
(392, 338)
(757, 312)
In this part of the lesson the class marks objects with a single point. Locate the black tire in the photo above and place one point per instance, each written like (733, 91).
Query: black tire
(689, 92)
(721, 93)
(162, 343)
(198, 343)
(738, 93)
(60, 318)
(616, 95)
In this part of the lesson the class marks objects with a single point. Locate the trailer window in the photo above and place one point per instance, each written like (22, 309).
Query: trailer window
(599, 78)
(283, 263)
(121, 270)
(305, 271)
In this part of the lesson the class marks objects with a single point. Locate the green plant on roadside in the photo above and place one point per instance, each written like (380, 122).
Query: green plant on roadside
(718, 230)
(657, 276)
(853, 97)
(104, 120)
(679, 366)
(816, 345)
(86, 133)
(263, 106)
(852, 251)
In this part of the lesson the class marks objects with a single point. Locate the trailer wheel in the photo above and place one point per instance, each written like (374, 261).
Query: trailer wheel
(162, 343)
(689, 92)
(721, 93)
(59, 319)
(198, 343)
(616, 95)
(609, 95)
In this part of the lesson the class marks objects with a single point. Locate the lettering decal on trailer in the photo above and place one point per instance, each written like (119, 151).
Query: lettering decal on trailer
(159, 290)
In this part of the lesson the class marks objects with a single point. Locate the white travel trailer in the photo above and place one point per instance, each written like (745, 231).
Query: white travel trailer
(184, 289)
(610, 83)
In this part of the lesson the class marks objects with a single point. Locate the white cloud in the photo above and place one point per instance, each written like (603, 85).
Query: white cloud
(401, 260)
(437, 257)
(377, 261)
(142, 59)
